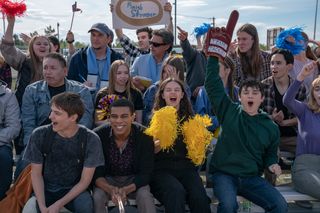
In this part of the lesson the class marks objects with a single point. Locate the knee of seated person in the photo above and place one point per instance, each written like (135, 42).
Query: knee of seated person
(176, 190)
(99, 195)
(281, 206)
(83, 203)
(144, 193)
(228, 205)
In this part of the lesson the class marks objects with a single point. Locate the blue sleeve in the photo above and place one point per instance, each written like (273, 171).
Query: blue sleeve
(87, 118)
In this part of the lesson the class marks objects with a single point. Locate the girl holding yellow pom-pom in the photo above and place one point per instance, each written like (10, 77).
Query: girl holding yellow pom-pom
(175, 180)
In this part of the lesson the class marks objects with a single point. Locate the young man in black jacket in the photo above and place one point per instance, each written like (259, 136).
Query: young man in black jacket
(129, 160)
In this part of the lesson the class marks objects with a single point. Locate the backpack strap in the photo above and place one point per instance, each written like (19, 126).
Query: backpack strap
(47, 144)
(49, 138)
(83, 138)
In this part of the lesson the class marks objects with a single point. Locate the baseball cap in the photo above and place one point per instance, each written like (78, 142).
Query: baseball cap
(102, 28)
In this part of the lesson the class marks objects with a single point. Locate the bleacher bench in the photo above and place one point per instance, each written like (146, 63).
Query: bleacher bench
(287, 192)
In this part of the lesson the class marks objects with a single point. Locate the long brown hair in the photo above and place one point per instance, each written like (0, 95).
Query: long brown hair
(251, 63)
(113, 75)
(36, 62)
(185, 108)
(176, 62)
(228, 63)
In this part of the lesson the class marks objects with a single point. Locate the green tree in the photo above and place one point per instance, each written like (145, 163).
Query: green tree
(79, 45)
(34, 33)
(49, 30)
(18, 42)
(263, 47)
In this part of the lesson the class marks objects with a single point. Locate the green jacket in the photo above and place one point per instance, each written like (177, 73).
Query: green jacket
(246, 144)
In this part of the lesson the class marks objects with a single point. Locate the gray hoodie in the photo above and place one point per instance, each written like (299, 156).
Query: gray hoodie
(9, 116)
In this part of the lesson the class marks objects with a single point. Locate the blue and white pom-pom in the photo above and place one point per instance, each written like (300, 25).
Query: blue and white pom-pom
(201, 30)
(295, 47)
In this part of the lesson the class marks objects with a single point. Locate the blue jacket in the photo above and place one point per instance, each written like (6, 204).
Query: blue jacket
(78, 69)
(36, 108)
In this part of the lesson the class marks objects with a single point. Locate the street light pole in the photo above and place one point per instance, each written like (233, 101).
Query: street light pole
(315, 22)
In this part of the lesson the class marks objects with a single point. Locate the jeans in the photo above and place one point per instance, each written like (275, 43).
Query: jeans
(144, 199)
(306, 174)
(255, 189)
(81, 204)
(175, 188)
(6, 166)
(20, 166)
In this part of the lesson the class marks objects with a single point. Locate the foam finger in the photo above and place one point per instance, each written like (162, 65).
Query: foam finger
(233, 18)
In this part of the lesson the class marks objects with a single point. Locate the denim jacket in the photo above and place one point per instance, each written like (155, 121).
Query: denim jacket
(36, 108)
(9, 116)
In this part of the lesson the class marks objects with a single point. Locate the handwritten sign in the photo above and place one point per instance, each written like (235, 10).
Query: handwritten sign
(134, 14)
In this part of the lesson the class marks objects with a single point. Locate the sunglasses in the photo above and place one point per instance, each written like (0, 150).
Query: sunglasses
(156, 44)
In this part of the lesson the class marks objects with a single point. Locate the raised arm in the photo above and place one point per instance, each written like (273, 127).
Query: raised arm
(188, 51)
(168, 8)
(13, 56)
(295, 106)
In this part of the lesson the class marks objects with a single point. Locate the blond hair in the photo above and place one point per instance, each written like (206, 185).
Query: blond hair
(36, 62)
(312, 103)
(113, 75)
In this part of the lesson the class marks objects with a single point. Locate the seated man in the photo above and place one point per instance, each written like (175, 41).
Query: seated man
(274, 89)
(9, 129)
(63, 158)
(248, 141)
(35, 107)
(148, 66)
(128, 156)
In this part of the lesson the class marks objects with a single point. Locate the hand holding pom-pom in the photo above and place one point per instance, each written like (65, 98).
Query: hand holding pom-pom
(218, 39)
(13, 8)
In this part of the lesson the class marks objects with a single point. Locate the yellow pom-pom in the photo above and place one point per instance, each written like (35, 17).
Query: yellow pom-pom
(197, 137)
(163, 127)
(101, 114)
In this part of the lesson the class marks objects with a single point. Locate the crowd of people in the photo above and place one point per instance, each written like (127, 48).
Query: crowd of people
(82, 124)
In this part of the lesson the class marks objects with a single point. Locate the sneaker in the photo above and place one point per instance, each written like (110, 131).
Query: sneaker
(304, 204)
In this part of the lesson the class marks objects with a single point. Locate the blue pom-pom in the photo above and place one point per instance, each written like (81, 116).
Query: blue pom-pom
(202, 29)
(299, 42)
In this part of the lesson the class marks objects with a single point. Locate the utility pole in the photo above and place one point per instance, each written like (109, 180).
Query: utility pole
(175, 22)
(315, 22)
(58, 33)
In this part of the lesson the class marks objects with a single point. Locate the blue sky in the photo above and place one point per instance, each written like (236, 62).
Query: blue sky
(264, 14)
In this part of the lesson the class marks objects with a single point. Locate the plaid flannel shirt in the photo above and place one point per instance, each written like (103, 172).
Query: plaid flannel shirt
(130, 49)
(269, 95)
(5, 74)
(265, 70)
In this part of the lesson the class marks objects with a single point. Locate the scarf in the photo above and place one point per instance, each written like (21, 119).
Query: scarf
(93, 65)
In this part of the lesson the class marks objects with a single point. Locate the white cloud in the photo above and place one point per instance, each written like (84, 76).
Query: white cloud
(255, 7)
(192, 3)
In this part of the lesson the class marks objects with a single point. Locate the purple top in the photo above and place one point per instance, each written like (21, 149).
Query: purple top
(308, 140)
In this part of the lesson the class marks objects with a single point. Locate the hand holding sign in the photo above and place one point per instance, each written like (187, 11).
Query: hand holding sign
(218, 39)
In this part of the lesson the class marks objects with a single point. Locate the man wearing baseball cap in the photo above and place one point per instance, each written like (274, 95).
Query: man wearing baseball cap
(90, 65)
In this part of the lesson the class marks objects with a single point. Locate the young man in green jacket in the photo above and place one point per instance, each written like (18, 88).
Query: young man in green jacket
(248, 140)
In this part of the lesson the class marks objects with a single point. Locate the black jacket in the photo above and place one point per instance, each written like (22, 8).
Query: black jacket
(78, 68)
(143, 155)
